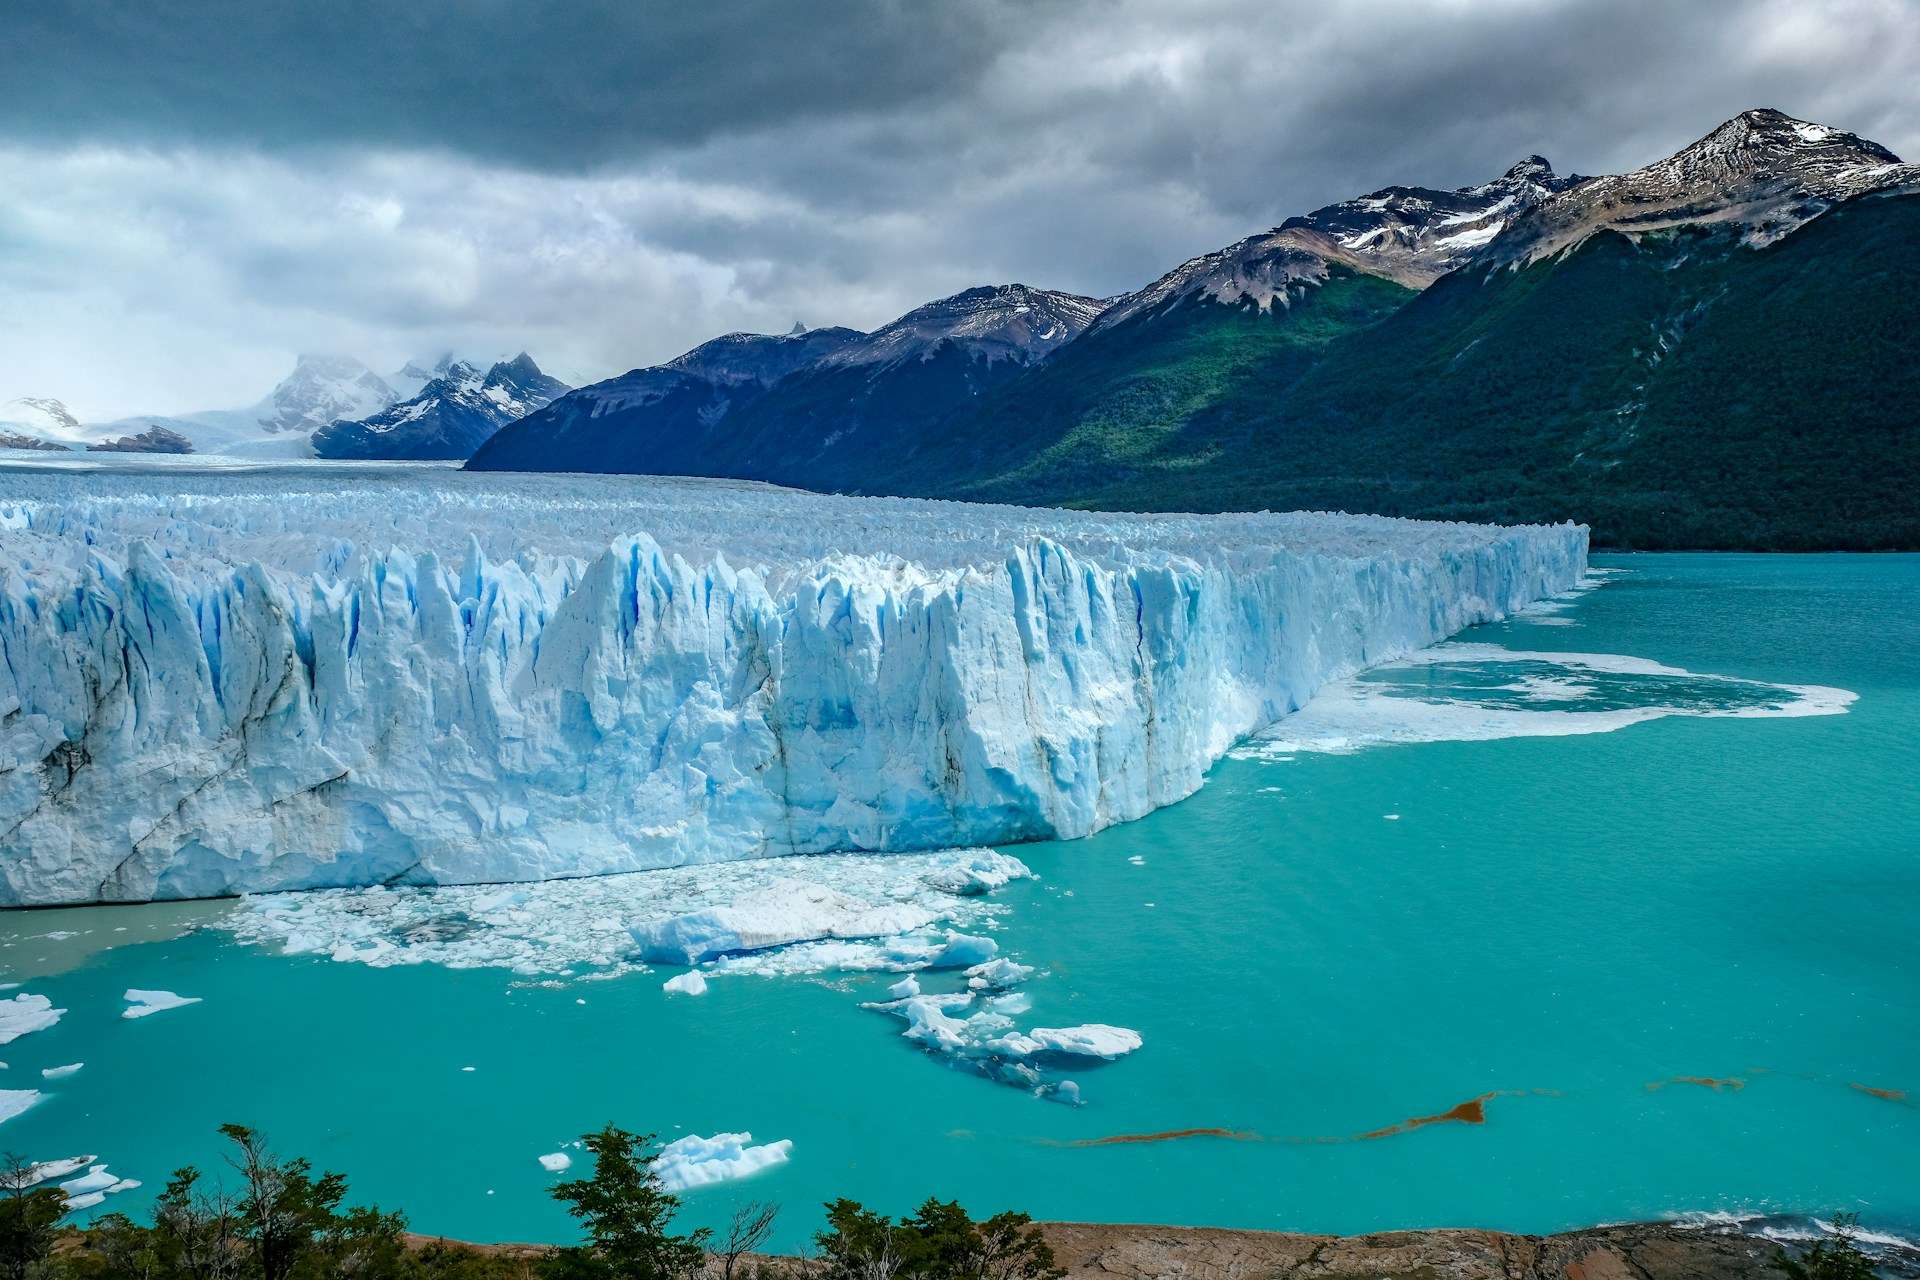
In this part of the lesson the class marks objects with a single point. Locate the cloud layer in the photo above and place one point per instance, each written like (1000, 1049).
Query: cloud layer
(198, 190)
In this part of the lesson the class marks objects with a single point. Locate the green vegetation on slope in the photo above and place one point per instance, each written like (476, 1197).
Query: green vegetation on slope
(1681, 391)
(1136, 407)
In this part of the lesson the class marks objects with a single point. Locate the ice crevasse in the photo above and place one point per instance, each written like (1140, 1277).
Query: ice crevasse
(260, 683)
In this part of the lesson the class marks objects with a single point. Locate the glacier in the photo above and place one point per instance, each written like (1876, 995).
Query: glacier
(240, 680)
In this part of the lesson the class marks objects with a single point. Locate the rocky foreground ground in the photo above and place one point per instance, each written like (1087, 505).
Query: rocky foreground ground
(1636, 1251)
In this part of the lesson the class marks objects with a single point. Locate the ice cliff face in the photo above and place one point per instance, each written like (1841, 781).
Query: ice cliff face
(281, 679)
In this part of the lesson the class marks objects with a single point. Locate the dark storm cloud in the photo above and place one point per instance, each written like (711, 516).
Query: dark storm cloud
(201, 189)
(531, 83)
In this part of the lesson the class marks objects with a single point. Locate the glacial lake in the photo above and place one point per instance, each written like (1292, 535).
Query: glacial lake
(1670, 963)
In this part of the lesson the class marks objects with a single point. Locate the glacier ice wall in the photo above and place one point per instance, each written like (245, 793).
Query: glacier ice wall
(292, 678)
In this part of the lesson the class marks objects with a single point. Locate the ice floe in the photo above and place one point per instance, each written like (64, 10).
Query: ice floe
(61, 1073)
(785, 912)
(14, 1101)
(988, 1041)
(25, 1014)
(690, 983)
(1475, 692)
(694, 1161)
(556, 1162)
(46, 1171)
(566, 927)
(142, 1003)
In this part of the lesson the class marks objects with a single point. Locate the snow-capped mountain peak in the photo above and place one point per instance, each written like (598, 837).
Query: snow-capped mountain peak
(321, 389)
(1763, 171)
(1009, 321)
(1411, 235)
(454, 414)
(41, 418)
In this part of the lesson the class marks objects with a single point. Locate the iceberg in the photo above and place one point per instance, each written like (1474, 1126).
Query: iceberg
(61, 1073)
(14, 1101)
(141, 1003)
(360, 676)
(786, 912)
(686, 984)
(45, 1171)
(694, 1161)
(556, 1162)
(25, 1014)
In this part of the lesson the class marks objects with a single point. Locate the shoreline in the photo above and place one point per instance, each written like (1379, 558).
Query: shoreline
(1618, 1251)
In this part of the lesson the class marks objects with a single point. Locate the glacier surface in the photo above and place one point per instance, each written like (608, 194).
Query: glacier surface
(402, 675)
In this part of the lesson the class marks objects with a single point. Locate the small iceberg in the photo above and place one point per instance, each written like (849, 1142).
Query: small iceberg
(694, 1161)
(979, 871)
(60, 1073)
(14, 1101)
(1094, 1040)
(556, 1162)
(25, 1014)
(690, 983)
(45, 1171)
(141, 1003)
(785, 912)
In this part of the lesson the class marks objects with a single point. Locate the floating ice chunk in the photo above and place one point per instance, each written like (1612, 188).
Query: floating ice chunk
(785, 912)
(125, 1184)
(1061, 1091)
(1014, 1002)
(556, 1162)
(141, 1003)
(1479, 692)
(963, 951)
(997, 975)
(979, 871)
(14, 1101)
(694, 1161)
(1137, 860)
(46, 1171)
(1093, 1040)
(86, 1201)
(566, 925)
(905, 989)
(689, 983)
(95, 1179)
(24, 1014)
(60, 1073)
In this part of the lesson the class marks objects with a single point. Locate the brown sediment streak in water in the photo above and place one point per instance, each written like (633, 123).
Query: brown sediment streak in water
(1167, 1135)
(1891, 1095)
(1472, 1111)
(1718, 1084)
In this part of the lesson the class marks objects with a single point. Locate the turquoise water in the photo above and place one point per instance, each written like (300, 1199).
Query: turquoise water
(1560, 922)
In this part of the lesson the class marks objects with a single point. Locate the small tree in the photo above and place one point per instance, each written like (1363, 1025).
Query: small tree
(197, 1233)
(941, 1241)
(749, 1228)
(628, 1216)
(29, 1220)
(1834, 1258)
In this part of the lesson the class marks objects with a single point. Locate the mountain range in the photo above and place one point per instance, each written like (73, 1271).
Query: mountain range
(321, 393)
(453, 414)
(1712, 350)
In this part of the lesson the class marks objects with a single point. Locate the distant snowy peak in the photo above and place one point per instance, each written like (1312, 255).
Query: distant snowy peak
(1763, 171)
(322, 389)
(1002, 322)
(454, 414)
(42, 419)
(1411, 235)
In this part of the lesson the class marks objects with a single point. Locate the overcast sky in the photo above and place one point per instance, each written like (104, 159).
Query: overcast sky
(193, 191)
